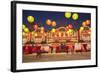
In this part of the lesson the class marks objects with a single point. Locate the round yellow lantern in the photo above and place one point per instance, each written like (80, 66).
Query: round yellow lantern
(48, 22)
(30, 19)
(81, 29)
(23, 26)
(67, 14)
(75, 16)
(70, 31)
(26, 30)
(53, 30)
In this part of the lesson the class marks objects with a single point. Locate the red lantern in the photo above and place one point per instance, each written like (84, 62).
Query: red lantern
(70, 26)
(35, 27)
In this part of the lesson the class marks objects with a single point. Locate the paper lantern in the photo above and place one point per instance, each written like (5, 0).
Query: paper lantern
(81, 29)
(68, 15)
(23, 26)
(30, 19)
(26, 30)
(84, 24)
(35, 27)
(53, 30)
(75, 16)
(48, 22)
(88, 22)
(70, 26)
(53, 23)
(42, 28)
(70, 31)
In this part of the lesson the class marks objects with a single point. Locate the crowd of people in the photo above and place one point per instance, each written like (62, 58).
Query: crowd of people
(39, 49)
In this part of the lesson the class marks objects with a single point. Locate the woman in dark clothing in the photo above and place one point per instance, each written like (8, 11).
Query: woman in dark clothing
(38, 51)
(51, 49)
(62, 47)
(84, 48)
(66, 48)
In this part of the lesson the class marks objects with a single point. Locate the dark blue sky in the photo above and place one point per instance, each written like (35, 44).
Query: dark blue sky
(59, 17)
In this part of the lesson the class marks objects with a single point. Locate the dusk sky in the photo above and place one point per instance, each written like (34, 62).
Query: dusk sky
(41, 17)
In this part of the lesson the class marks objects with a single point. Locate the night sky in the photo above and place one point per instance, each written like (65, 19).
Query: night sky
(59, 17)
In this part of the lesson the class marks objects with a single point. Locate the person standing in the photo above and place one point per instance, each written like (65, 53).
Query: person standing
(62, 47)
(38, 52)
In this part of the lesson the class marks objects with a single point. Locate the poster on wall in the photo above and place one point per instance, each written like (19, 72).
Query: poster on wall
(47, 36)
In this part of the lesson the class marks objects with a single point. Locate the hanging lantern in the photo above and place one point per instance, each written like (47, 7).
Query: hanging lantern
(23, 26)
(70, 26)
(26, 30)
(42, 28)
(53, 30)
(75, 16)
(35, 27)
(84, 24)
(48, 22)
(88, 22)
(81, 29)
(70, 31)
(30, 19)
(53, 23)
(68, 14)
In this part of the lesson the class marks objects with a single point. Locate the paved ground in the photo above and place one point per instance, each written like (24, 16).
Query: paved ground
(56, 57)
